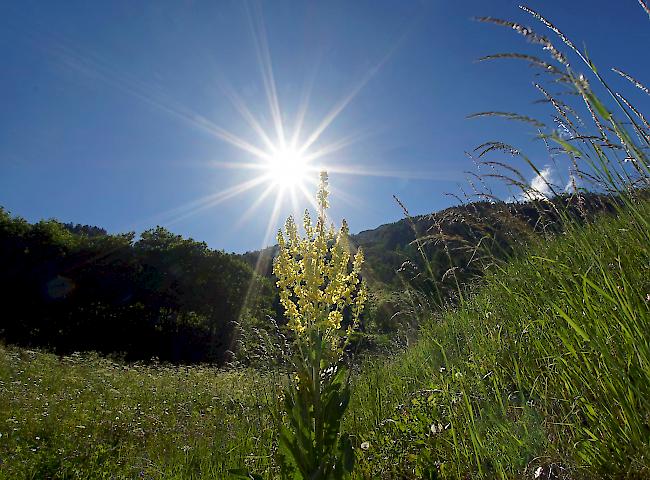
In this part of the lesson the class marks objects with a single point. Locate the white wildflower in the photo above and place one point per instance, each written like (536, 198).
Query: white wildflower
(436, 428)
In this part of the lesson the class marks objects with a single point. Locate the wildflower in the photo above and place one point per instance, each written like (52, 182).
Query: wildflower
(329, 371)
(320, 287)
(318, 277)
(334, 319)
(436, 428)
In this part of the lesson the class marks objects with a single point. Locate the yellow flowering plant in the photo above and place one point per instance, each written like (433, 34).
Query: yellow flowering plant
(322, 293)
(317, 278)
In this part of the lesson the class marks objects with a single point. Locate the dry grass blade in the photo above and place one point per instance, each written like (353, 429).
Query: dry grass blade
(586, 137)
(632, 80)
(594, 117)
(509, 116)
(456, 197)
(521, 185)
(490, 197)
(418, 243)
(645, 7)
(505, 166)
(638, 114)
(533, 61)
(530, 35)
(552, 27)
(487, 147)
(565, 128)
(559, 107)
(449, 272)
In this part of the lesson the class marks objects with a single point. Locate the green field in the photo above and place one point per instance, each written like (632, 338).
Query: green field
(527, 333)
(547, 364)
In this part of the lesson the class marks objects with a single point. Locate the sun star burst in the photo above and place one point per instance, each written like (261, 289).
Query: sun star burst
(286, 158)
(288, 168)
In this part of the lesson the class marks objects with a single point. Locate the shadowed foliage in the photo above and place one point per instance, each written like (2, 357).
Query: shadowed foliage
(72, 288)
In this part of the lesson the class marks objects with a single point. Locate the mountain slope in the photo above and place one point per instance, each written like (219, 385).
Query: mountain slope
(419, 248)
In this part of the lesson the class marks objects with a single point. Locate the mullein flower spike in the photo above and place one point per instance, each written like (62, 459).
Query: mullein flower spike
(318, 277)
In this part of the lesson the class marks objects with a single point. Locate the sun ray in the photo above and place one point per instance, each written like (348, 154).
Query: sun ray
(304, 104)
(309, 181)
(221, 197)
(344, 102)
(345, 197)
(229, 137)
(294, 201)
(263, 255)
(246, 114)
(333, 147)
(238, 165)
(91, 65)
(260, 40)
(273, 220)
(176, 214)
(258, 201)
(309, 196)
(399, 174)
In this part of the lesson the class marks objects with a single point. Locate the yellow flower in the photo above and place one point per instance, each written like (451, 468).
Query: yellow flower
(317, 277)
(334, 319)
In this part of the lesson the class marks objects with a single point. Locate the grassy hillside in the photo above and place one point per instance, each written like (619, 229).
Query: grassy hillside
(539, 370)
(546, 366)
(464, 226)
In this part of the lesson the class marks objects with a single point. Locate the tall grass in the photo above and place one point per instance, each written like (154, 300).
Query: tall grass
(541, 371)
(544, 371)
(546, 365)
(86, 417)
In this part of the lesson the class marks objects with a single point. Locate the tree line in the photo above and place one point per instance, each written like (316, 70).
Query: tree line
(73, 288)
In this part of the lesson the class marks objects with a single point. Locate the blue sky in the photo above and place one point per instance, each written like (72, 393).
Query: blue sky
(113, 113)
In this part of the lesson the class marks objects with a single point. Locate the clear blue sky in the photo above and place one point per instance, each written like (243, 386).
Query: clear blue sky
(109, 109)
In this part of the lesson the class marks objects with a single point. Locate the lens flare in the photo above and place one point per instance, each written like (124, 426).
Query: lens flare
(287, 168)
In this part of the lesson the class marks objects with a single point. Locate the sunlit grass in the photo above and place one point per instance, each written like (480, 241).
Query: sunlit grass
(547, 364)
(541, 369)
(86, 417)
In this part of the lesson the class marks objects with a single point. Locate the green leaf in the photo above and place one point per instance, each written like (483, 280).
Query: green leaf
(570, 321)
(241, 474)
(346, 453)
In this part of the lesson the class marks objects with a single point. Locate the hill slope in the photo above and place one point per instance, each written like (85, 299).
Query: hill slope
(545, 368)
(456, 237)
(500, 387)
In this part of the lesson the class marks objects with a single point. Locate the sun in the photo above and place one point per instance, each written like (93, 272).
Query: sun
(287, 167)
(284, 158)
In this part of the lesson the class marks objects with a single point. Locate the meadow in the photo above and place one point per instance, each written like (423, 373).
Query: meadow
(499, 387)
(539, 369)
(83, 416)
